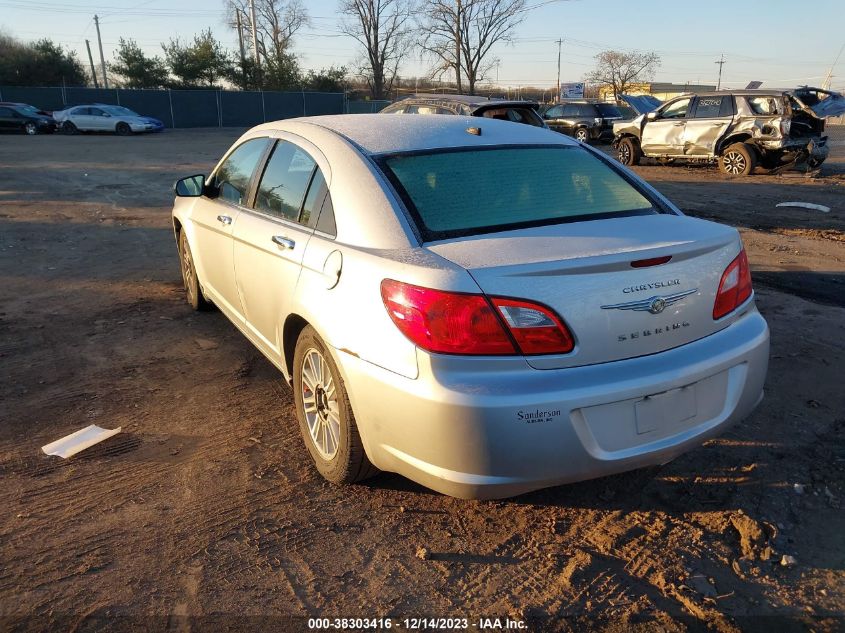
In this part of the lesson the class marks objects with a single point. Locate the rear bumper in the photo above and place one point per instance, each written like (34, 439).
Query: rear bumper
(497, 428)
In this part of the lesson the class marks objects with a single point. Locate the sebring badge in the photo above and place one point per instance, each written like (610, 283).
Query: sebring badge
(655, 304)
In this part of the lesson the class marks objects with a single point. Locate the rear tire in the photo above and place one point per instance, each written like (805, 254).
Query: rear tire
(69, 128)
(31, 129)
(324, 412)
(582, 134)
(123, 129)
(193, 289)
(629, 152)
(739, 159)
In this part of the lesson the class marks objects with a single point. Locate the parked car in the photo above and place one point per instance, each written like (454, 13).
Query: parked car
(105, 118)
(469, 105)
(445, 310)
(584, 120)
(740, 129)
(21, 117)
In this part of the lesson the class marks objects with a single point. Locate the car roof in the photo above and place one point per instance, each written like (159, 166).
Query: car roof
(736, 93)
(377, 134)
(473, 101)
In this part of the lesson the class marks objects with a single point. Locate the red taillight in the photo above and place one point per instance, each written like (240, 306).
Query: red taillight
(460, 323)
(734, 288)
(445, 322)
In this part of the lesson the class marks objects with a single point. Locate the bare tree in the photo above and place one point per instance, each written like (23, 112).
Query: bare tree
(619, 69)
(276, 23)
(382, 27)
(459, 34)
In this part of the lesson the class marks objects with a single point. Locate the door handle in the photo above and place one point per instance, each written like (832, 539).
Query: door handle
(224, 219)
(281, 240)
(678, 124)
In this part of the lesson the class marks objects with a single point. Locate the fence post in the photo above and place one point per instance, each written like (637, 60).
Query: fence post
(263, 109)
(302, 88)
(219, 109)
(172, 118)
(117, 95)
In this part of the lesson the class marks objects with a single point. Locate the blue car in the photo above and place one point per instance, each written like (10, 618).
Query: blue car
(158, 126)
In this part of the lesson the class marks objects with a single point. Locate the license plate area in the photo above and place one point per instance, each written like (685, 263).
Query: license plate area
(665, 409)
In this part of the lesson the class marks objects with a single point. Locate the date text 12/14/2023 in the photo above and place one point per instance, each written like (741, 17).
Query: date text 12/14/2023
(413, 624)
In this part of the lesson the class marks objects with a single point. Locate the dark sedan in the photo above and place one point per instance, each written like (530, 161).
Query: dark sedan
(20, 117)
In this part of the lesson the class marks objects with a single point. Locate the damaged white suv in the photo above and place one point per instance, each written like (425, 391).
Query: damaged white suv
(740, 128)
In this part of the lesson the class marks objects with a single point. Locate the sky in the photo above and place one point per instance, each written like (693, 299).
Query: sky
(773, 41)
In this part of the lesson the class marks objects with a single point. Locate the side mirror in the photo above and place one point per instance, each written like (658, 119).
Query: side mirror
(651, 116)
(190, 187)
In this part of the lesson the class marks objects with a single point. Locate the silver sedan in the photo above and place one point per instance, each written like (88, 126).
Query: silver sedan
(483, 307)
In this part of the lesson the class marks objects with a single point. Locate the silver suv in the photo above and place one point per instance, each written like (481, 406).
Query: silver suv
(741, 129)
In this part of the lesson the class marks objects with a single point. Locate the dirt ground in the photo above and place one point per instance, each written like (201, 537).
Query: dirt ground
(204, 514)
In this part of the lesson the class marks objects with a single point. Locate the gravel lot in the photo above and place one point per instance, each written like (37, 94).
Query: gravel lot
(204, 514)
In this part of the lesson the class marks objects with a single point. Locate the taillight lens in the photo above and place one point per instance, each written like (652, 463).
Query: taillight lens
(461, 323)
(734, 288)
(536, 329)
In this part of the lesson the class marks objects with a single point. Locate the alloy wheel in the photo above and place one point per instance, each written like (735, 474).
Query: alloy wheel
(188, 272)
(624, 154)
(581, 135)
(319, 401)
(734, 163)
(30, 129)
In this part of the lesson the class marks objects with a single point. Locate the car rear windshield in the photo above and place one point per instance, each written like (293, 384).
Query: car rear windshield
(608, 110)
(516, 115)
(454, 193)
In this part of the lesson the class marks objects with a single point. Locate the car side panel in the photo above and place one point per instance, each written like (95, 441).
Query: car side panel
(663, 136)
(213, 252)
(266, 274)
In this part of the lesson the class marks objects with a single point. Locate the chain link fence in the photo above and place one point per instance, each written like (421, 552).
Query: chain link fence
(193, 108)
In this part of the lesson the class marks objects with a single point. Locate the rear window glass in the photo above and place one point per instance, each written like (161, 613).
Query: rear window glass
(516, 115)
(455, 193)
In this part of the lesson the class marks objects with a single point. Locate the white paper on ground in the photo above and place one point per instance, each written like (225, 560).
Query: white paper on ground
(84, 438)
(805, 205)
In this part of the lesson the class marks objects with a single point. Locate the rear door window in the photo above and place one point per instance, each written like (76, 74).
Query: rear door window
(570, 111)
(713, 107)
(555, 112)
(285, 181)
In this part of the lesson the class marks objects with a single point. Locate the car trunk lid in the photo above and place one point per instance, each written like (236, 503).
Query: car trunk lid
(584, 271)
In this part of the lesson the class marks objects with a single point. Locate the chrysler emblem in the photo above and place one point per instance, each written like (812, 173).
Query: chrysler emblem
(655, 304)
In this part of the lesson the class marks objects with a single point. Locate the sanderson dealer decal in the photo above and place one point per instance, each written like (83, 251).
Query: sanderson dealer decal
(537, 415)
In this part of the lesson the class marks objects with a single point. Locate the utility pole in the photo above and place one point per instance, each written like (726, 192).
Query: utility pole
(559, 44)
(241, 44)
(91, 61)
(458, 47)
(721, 63)
(102, 58)
(254, 33)
(827, 80)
